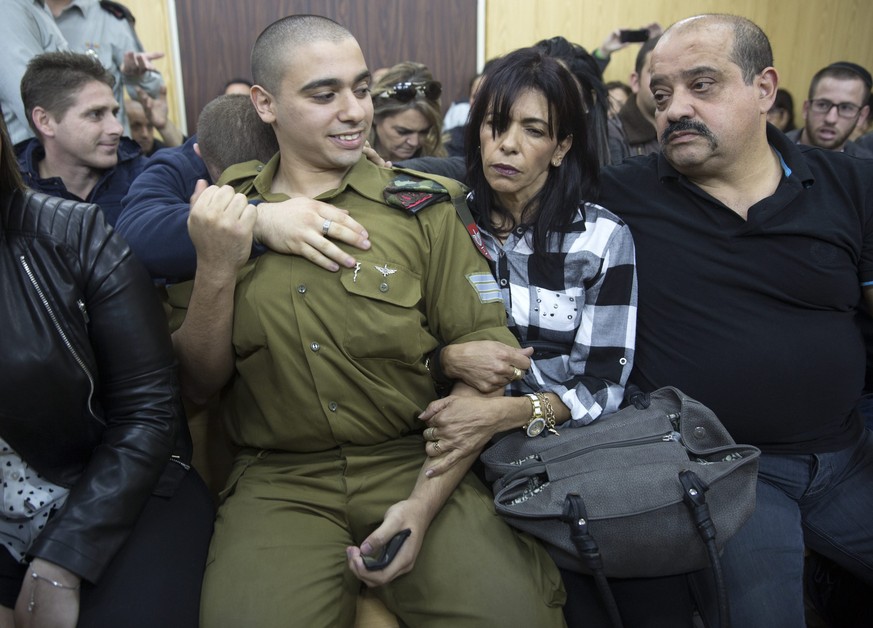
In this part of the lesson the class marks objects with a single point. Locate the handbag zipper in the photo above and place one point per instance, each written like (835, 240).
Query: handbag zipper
(671, 436)
(525, 463)
(63, 335)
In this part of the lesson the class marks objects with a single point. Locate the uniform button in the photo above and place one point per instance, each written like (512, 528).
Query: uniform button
(259, 168)
(301, 288)
(332, 406)
(503, 283)
(699, 432)
(383, 287)
(315, 346)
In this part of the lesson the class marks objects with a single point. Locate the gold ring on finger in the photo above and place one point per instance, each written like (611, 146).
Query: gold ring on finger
(517, 374)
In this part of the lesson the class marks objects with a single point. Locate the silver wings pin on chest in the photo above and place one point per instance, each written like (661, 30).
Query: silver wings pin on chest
(386, 272)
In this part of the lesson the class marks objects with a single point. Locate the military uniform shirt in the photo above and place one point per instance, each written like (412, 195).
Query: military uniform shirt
(329, 358)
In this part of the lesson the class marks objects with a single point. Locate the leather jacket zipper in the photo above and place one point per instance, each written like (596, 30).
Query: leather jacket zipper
(84, 310)
(178, 460)
(63, 335)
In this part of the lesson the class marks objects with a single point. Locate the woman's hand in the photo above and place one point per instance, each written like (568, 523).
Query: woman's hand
(486, 365)
(458, 427)
(371, 154)
(42, 604)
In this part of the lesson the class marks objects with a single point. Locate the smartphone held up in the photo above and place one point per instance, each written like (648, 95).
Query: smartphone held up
(629, 36)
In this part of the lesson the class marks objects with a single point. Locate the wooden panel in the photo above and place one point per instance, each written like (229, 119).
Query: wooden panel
(216, 38)
(805, 36)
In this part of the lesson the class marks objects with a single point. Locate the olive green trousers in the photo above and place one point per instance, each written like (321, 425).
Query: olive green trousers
(278, 554)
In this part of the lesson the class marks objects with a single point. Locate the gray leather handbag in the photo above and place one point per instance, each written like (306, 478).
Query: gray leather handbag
(644, 490)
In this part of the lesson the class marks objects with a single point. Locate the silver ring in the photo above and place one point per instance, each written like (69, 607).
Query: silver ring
(436, 447)
(430, 433)
(325, 227)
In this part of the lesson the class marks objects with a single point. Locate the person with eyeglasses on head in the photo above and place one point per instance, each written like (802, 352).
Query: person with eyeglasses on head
(837, 102)
(407, 114)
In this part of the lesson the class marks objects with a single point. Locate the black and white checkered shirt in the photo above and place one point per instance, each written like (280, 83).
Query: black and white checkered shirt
(577, 307)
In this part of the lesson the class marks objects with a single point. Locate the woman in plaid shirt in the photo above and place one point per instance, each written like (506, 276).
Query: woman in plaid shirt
(564, 267)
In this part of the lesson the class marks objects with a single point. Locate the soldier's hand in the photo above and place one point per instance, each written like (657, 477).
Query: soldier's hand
(220, 225)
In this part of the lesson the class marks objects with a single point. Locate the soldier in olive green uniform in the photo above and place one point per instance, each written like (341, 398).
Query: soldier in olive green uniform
(329, 377)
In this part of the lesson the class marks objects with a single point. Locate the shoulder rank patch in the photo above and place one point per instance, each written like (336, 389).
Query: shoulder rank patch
(486, 287)
(117, 10)
(412, 194)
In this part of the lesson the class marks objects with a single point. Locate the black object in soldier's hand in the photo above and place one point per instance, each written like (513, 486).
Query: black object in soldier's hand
(389, 551)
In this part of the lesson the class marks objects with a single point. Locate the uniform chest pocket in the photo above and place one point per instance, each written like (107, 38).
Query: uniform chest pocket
(384, 318)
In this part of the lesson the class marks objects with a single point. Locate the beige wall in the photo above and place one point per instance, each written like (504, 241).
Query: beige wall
(805, 36)
(153, 29)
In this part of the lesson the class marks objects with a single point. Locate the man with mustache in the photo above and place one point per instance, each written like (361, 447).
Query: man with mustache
(78, 152)
(752, 256)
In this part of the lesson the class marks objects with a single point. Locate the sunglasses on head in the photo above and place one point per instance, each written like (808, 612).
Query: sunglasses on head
(405, 92)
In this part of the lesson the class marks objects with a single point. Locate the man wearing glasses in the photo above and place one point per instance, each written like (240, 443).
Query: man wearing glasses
(838, 101)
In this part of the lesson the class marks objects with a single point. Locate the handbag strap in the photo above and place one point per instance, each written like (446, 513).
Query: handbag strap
(694, 495)
(634, 396)
(576, 516)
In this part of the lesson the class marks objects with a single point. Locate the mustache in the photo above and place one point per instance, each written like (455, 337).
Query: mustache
(689, 125)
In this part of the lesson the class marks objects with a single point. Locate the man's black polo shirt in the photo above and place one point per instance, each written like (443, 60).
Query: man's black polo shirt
(755, 318)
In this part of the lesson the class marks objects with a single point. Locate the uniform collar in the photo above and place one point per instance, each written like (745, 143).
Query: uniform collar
(364, 177)
(82, 6)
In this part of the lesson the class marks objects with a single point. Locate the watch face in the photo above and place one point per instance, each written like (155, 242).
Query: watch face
(535, 427)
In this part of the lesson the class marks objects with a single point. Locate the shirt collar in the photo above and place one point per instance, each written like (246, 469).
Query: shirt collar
(363, 177)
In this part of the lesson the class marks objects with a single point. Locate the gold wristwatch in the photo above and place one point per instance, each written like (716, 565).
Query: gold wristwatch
(537, 422)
